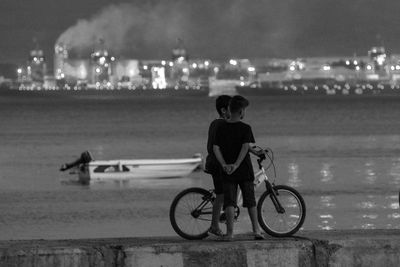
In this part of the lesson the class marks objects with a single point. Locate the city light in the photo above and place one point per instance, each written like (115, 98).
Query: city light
(326, 67)
(159, 81)
(102, 60)
(108, 72)
(233, 62)
(83, 72)
(381, 59)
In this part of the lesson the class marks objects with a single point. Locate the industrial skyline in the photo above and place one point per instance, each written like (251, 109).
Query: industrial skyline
(211, 29)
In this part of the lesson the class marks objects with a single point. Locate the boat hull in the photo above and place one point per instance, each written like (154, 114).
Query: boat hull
(137, 169)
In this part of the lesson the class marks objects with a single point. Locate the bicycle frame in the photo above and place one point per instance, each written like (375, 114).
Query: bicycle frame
(199, 209)
(261, 176)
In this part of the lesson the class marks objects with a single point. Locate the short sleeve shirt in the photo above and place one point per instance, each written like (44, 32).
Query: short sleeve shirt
(211, 135)
(230, 136)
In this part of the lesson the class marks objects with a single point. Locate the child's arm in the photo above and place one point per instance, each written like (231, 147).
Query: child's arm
(242, 155)
(255, 150)
(218, 155)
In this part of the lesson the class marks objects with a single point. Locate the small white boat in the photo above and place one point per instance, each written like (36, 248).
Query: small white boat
(125, 169)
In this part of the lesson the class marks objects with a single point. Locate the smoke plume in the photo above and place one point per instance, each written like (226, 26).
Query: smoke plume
(223, 28)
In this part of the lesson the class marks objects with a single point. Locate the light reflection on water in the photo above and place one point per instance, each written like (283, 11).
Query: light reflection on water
(328, 201)
(294, 180)
(334, 199)
(326, 173)
(394, 171)
(369, 171)
(349, 193)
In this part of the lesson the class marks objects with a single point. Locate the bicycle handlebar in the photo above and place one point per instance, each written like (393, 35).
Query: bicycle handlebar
(263, 154)
(260, 159)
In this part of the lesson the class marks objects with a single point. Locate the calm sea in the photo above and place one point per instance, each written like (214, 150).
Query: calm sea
(341, 153)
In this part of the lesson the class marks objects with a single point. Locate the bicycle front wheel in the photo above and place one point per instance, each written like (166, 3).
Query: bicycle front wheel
(190, 213)
(287, 221)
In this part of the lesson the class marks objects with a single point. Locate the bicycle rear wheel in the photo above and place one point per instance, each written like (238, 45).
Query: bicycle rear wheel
(287, 222)
(190, 213)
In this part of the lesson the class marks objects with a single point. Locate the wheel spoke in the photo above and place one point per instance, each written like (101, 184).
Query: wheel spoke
(184, 222)
(281, 224)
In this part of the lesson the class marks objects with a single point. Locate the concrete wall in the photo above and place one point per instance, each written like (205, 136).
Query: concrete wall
(333, 248)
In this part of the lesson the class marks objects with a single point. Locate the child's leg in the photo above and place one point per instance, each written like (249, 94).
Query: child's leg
(218, 203)
(216, 211)
(230, 194)
(249, 201)
(253, 218)
(230, 213)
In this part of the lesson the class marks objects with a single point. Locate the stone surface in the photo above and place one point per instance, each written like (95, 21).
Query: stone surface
(312, 248)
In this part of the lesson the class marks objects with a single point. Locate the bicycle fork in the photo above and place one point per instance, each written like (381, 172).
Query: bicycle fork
(274, 197)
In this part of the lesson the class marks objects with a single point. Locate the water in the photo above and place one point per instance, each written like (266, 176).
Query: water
(341, 153)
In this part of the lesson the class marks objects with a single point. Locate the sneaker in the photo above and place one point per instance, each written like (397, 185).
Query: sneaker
(215, 232)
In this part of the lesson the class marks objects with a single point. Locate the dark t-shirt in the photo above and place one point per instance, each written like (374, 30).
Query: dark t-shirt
(211, 135)
(212, 164)
(230, 137)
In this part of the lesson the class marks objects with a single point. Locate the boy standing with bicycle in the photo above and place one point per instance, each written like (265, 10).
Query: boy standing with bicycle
(232, 146)
(213, 167)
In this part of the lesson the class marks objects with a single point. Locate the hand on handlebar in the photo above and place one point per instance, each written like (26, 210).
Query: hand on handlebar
(258, 151)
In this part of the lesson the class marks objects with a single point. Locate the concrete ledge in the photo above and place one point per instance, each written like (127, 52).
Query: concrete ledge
(317, 248)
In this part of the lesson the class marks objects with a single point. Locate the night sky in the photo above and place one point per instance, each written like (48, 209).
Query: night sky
(214, 29)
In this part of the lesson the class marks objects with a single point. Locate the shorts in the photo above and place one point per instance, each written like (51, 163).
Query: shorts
(230, 193)
(218, 183)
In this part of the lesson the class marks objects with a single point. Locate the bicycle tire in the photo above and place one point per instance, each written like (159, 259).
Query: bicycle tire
(188, 222)
(287, 223)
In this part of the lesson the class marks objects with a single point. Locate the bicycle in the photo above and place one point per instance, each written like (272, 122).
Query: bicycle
(281, 209)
